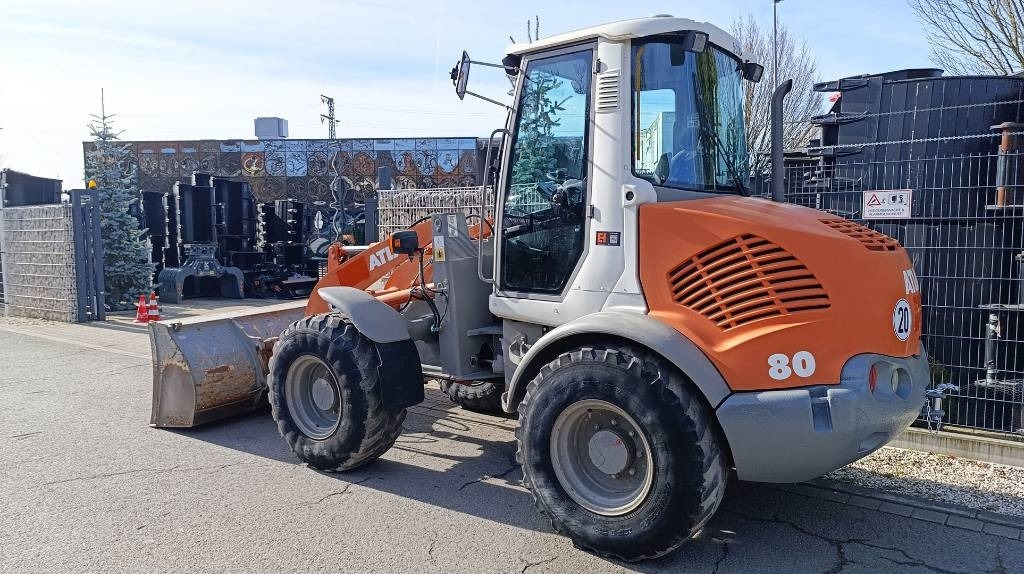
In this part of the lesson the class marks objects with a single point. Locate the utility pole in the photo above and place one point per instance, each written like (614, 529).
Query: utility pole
(329, 117)
(339, 194)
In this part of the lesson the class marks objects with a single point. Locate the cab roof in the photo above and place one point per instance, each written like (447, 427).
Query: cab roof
(636, 28)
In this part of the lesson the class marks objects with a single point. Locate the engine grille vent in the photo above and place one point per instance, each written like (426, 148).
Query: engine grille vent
(871, 239)
(746, 279)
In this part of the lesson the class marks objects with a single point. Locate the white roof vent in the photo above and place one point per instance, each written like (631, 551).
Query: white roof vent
(271, 128)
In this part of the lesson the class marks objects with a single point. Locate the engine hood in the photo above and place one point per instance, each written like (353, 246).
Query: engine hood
(777, 295)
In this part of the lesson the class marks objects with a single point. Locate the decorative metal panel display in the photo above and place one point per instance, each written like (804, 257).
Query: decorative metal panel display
(304, 169)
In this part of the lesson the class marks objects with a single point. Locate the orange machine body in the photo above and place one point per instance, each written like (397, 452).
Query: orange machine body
(363, 270)
(777, 295)
(378, 262)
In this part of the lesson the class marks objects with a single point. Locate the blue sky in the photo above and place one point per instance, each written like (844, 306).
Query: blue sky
(195, 69)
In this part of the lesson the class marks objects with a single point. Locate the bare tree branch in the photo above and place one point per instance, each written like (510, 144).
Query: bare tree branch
(795, 61)
(974, 36)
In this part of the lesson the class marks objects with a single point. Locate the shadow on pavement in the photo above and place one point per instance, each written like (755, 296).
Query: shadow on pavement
(442, 460)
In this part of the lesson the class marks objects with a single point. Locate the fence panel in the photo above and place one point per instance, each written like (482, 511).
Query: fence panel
(965, 237)
(400, 208)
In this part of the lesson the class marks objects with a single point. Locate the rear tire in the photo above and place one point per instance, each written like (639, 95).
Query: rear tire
(324, 392)
(479, 396)
(618, 452)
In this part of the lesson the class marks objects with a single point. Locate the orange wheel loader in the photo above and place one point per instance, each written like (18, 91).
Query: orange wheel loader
(653, 326)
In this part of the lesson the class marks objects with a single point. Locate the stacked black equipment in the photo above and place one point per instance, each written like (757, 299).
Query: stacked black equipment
(282, 230)
(207, 233)
(154, 221)
(236, 224)
(201, 274)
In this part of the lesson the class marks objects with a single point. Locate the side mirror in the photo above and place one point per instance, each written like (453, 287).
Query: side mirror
(460, 75)
(405, 242)
(752, 71)
(693, 41)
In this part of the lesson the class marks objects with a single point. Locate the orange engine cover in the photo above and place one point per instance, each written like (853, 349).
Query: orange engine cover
(777, 295)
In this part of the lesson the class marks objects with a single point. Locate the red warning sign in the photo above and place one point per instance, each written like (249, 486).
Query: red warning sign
(873, 200)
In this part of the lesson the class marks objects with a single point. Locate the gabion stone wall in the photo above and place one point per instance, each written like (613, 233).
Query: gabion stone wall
(38, 248)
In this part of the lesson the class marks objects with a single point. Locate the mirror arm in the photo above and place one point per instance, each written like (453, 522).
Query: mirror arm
(489, 65)
(486, 99)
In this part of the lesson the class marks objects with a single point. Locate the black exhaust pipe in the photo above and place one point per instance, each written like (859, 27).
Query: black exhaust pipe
(778, 170)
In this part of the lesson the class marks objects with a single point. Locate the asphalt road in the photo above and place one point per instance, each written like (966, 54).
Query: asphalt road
(87, 486)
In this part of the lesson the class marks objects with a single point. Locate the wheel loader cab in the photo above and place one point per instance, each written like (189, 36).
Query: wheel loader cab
(605, 121)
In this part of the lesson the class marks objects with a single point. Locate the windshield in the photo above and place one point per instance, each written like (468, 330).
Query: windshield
(688, 117)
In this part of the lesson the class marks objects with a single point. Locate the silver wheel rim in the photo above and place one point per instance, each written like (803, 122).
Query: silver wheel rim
(601, 457)
(313, 397)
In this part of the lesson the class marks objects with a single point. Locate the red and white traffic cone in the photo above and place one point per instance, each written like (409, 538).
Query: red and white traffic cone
(142, 311)
(154, 307)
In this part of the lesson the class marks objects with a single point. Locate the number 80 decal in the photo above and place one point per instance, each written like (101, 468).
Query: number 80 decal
(780, 367)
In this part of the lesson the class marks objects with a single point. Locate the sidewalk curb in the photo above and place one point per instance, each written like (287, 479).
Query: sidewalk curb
(910, 506)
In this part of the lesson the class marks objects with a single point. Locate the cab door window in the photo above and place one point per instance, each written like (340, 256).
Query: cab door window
(543, 220)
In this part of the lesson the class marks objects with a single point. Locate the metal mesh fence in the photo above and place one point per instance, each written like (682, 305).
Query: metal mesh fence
(955, 201)
(38, 251)
(961, 219)
(400, 208)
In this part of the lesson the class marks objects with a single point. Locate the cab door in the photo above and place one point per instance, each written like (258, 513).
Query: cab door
(542, 229)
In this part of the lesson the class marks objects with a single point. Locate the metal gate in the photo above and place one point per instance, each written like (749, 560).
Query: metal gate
(85, 213)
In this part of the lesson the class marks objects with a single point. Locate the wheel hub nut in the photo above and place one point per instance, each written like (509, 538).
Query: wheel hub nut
(323, 394)
(609, 452)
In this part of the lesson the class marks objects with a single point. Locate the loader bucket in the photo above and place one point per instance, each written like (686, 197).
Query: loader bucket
(207, 368)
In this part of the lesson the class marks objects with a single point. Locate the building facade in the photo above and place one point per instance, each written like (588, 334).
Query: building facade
(304, 169)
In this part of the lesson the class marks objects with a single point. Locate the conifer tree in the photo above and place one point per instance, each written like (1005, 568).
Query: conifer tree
(127, 271)
(536, 147)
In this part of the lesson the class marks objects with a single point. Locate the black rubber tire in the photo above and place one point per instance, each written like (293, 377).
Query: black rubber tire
(366, 430)
(482, 396)
(689, 466)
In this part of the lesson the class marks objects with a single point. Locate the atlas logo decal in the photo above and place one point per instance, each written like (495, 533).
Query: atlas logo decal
(382, 256)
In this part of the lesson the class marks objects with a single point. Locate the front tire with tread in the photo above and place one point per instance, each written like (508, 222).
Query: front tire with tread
(365, 430)
(689, 465)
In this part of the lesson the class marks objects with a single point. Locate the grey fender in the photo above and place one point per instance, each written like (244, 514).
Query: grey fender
(377, 321)
(641, 329)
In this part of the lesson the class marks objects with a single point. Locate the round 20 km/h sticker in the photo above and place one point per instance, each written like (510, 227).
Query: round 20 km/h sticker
(902, 320)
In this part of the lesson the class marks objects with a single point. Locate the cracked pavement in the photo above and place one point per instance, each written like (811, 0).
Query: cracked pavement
(87, 486)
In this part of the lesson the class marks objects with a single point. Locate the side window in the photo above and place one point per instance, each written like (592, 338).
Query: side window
(688, 118)
(543, 221)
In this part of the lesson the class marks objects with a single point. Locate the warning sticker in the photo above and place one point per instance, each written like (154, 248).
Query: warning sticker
(886, 204)
(613, 238)
(439, 254)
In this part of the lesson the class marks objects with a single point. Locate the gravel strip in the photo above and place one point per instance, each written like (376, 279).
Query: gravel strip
(979, 485)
